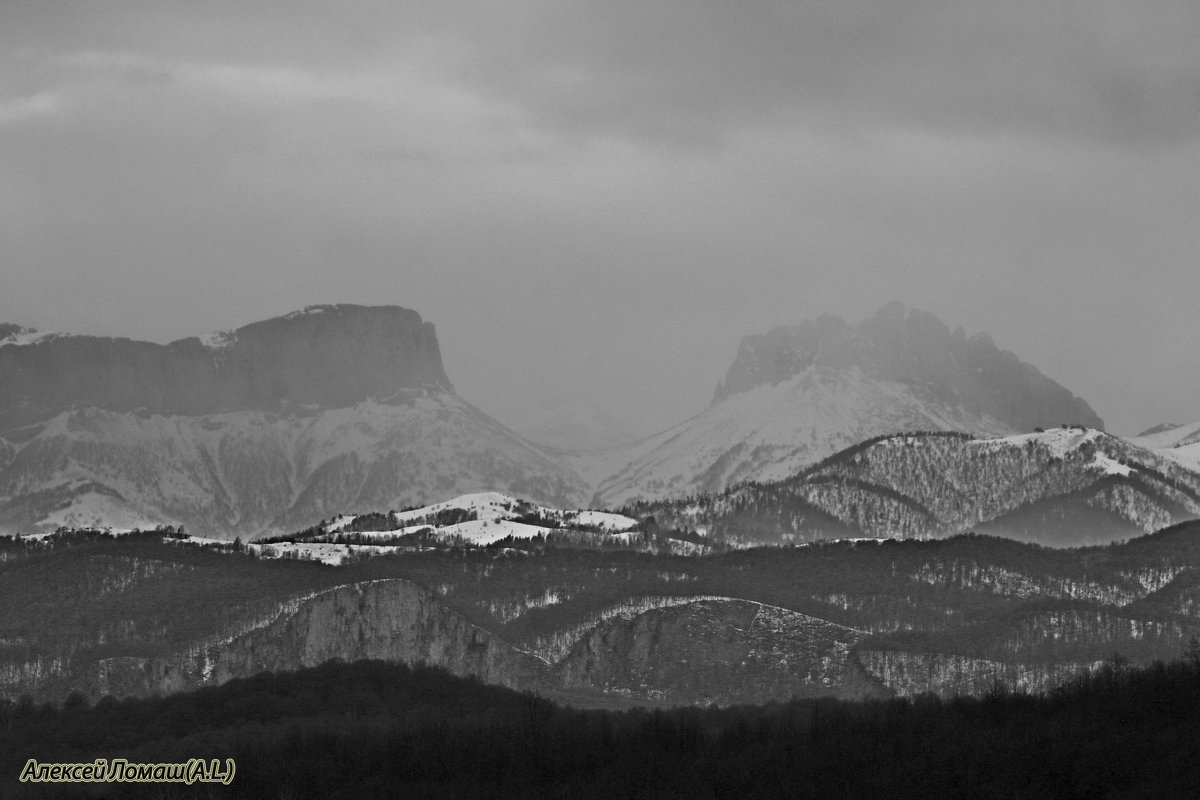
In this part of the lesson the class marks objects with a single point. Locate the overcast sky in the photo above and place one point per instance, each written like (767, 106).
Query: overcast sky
(598, 200)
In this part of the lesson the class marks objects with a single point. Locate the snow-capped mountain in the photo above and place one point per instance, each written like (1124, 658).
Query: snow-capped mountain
(796, 395)
(262, 429)
(333, 409)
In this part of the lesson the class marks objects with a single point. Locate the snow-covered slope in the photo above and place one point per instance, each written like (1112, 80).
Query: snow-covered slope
(476, 519)
(769, 433)
(23, 337)
(246, 473)
(1181, 443)
(1061, 487)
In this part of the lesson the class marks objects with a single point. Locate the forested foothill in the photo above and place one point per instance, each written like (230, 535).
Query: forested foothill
(87, 599)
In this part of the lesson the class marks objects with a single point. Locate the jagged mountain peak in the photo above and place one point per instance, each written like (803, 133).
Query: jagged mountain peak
(914, 348)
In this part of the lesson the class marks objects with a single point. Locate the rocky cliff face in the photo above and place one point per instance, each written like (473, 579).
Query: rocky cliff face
(917, 350)
(323, 356)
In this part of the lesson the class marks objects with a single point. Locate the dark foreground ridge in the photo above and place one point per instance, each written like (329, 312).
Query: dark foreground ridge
(372, 729)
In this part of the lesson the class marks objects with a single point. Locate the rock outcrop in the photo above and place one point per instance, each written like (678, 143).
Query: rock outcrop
(915, 349)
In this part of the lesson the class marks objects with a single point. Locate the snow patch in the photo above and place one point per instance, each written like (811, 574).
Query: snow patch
(1108, 466)
(308, 311)
(28, 336)
(218, 340)
(617, 523)
(482, 532)
(1059, 441)
(1180, 444)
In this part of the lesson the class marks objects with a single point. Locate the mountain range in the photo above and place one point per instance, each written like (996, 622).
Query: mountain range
(840, 521)
(271, 427)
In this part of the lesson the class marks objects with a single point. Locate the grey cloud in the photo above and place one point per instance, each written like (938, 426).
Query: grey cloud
(683, 71)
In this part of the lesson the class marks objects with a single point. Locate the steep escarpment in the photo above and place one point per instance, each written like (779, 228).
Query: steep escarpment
(323, 356)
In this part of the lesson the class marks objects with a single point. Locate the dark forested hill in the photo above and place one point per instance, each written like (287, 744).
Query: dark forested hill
(145, 613)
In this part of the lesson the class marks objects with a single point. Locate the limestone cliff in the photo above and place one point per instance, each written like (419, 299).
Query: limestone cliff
(323, 356)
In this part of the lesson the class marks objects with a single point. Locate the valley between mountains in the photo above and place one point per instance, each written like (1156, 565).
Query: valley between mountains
(885, 508)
